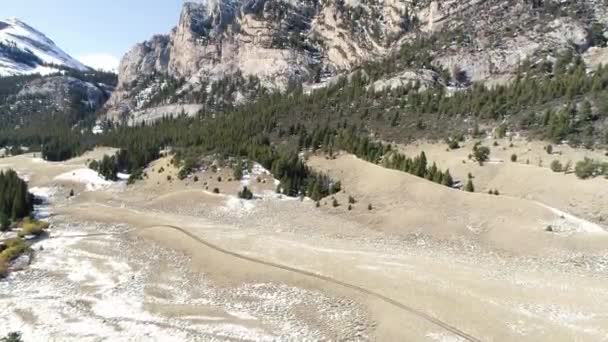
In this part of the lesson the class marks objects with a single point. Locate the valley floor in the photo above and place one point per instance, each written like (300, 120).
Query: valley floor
(169, 260)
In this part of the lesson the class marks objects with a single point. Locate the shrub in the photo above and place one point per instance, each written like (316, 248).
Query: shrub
(14, 248)
(71, 192)
(245, 194)
(195, 179)
(335, 203)
(12, 337)
(556, 166)
(453, 144)
(135, 176)
(514, 158)
(169, 178)
(216, 190)
(351, 200)
(589, 168)
(370, 207)
(318, 204)
(219, 179)
(33, 227)
(549, 149)
(350, 207)
(335, 187)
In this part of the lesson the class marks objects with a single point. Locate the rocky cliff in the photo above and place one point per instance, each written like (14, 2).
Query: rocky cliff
(63, 97)
(226, 52)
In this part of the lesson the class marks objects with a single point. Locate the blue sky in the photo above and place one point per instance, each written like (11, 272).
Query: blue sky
(95, 31)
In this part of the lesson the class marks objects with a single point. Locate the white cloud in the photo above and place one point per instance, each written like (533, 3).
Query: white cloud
(100, 61)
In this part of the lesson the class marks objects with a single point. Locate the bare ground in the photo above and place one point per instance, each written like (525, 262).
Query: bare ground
(427, 263)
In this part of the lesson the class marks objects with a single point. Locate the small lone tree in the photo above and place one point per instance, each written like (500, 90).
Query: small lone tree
(238, 170)
(481, 153)
(514, 158)
(246, 194)
(469, 187)
(447, 179)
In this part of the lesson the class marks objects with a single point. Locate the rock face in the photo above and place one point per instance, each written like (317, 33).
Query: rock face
(279, 42)
(62, 91)
(44, 97)
(275, 44)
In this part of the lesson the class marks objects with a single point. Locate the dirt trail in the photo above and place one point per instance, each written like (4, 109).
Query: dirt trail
(332, 280)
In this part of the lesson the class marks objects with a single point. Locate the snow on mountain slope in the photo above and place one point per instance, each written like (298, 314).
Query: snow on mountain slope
(24, 50)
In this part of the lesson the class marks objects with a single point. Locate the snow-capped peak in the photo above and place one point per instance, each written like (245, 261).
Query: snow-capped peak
(25, 50)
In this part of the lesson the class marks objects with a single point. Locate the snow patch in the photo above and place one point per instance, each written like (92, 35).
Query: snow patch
(123, 176)
(570, 224)
(256, 171)
(242, 315)
(238, 206)
(444, 337)
(90, 178)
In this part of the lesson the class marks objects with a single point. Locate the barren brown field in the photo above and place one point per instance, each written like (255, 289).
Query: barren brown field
(171, 259)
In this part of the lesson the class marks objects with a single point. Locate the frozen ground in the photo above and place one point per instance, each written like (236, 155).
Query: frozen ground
(110, 288)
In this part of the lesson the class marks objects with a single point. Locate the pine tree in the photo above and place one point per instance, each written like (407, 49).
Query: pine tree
(469, 187)
(5, 222)
(447, 179)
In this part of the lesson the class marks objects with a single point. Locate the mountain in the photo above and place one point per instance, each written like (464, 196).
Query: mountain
(38, 81)
(24, 50)
(228, 52)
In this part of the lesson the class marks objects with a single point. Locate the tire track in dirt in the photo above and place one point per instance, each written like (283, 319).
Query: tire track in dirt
(327, 279)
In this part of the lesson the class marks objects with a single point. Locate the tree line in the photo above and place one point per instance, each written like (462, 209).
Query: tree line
(15, 200)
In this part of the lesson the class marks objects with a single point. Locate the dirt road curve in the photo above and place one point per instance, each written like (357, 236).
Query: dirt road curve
(379, 296)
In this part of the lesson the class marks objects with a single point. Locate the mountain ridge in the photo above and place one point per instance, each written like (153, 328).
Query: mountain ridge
(25, 50)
